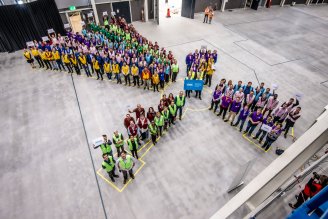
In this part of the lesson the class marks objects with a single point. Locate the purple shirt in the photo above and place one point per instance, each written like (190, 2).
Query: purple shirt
(216, 95)
(235, 106)
(225, 102)
(256, 117)
(243, 114)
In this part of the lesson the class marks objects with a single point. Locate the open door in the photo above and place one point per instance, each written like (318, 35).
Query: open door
(75, 20)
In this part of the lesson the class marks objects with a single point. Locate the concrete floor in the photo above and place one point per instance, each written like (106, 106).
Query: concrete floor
(46, 170)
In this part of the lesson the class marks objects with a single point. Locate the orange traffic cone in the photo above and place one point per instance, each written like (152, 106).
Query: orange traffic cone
(168, 14)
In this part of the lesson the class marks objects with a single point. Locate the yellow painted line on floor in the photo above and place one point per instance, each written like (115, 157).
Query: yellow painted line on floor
(257, 145)
(107, 181)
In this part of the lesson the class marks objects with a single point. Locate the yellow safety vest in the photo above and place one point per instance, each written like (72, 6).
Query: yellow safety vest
(65, 59)
(116, 69)
(83, 60)
(107, 68)
(96, 65)
(27, 55)
(56, 55)
(125, 69)
(135, 71)
(35, 52)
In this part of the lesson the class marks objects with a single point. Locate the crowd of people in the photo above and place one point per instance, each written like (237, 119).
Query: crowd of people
(140, 128)
(116, 51)
(259, 106)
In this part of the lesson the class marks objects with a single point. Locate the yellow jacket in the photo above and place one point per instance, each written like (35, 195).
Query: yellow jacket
(35, 52)
(96, 65)
(43, 56)
(107, 67)
(65, 59)
(83, 59)
(155, 79)
(56, 55)
(27, 55)
(116, 69)
(125, 69)
(135, 70)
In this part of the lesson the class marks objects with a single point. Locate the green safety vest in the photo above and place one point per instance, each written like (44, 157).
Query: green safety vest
(166, 114)
(105, 22)
(159, 121)
(173, 109)
(180, 100)
(119, 138)
(109, 166)
(127, 36)
(175, 68)
(106, 148)
(130, 144)
(153, 129)
(127, 164)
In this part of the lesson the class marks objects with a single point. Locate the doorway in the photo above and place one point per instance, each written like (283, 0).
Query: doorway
(122, 9)
(75, 21)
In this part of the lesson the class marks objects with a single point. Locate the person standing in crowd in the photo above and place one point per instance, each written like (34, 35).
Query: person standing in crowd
(139, 110)
(118, 141)
(155, 80)
(106, 147)
(314, 185)
(67, 63)
(133, 146)
(116, 72)
(127, 120)
(188, 91)
(83, 61)
(260, 102)
(271, 104)
(57, 58)
(199, 92)
(142, 123)
(29, 58)
(166, 116)
(291, 119)
(159, 122)
(234, 110)
(153, 131)
(47, 59)
(75, 65)
(109, 165)
(209, 72)
(248, 88)
(290, 104)
(175, 70)
(37, 56)
(236, 87)
(173, 112)
(242, 117)
(125, 164)
(272, 136)
(240, 94)
(180, 101)
(161, 106)
(126, 73)
(280, 114)
(216, 98)
(135, 75)
(96, 67)
(189, 61)
(254, 119)
(265, 122)
(206, 13)
(210, 15)
(151, 114)
(146, 77)
(133, 130)
(249, 99)
(225, 103)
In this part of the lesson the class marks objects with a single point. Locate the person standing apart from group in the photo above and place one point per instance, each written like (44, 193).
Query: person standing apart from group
(180, 101)
(206, 13)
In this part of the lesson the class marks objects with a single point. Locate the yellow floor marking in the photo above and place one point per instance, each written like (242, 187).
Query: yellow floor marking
(257, 145)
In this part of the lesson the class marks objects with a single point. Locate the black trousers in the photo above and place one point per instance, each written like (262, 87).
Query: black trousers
(188, 92)
(111, 174)
(68, 66)
(301, 198)
(172, 118)
(199, 93)
(215, 105)
(174, 76)
(136, 80)
(60, 64)
(288, 125)
(99, 75)
(277, 119)
(267, 144)
(224, 111)
(153, 138)
(119, 150)
(208, 80)
(39, 60)
(160, 128)
(179, 110)
(135, 153)
(162, 84)
(127, 79)
(205, 18)
(155, 87)
(92, 69)
(77, 69)
(125, 174)
(48, 64)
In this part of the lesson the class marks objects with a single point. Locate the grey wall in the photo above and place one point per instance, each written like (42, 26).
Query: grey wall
(66, 3)
(231, 4)
(200, 5)
(63, 17)
(275, 2)
(136, 7)
(188, 8)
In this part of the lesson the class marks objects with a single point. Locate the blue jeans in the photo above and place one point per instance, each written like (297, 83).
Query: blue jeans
(250, 128)
(241, 125)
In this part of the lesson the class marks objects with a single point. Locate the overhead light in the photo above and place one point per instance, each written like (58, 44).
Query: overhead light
(20, 2)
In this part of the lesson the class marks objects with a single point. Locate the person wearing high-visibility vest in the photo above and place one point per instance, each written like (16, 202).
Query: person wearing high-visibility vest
(106, 147)
(125, 164)
(126, 73)
(116, 72)
(96, 67)
(155, 80)
(49, 58)
(209, 71)
(108, 70)
(173, 112)
(153, 131)
(189, 78)
(118, 141)
(29, 58)
(67, 63)
(37, 56)
(109, 165)
(45, 60)
(180, 101)
(106, 22)
(166, 115)
(199, 92)
(159, 122)
(175, 70)
(57, 58)
(133, 146)
(83, 61)
(135, 75)
(145, 77)
(75, 64)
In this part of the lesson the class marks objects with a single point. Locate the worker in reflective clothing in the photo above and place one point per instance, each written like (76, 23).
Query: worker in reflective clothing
(153, 131)
(133, 146)
(159, 122)
(166, 115)
(180, 102)
(118, 141)
(173, 112)
(109, 165)
(106, 147)
(125, 164)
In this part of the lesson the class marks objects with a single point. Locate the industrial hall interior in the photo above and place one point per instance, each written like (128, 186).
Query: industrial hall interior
(164, 109)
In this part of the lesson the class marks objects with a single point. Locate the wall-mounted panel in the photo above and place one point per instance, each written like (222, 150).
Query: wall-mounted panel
(188, 8)
(231, 4)
(66, 3)
(136, 7)
(122, 9)
(101, 8)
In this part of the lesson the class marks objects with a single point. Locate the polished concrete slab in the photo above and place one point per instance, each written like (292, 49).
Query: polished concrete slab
(47, 170)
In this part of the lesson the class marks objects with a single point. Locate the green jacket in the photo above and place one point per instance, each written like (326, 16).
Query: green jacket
(108, 165)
